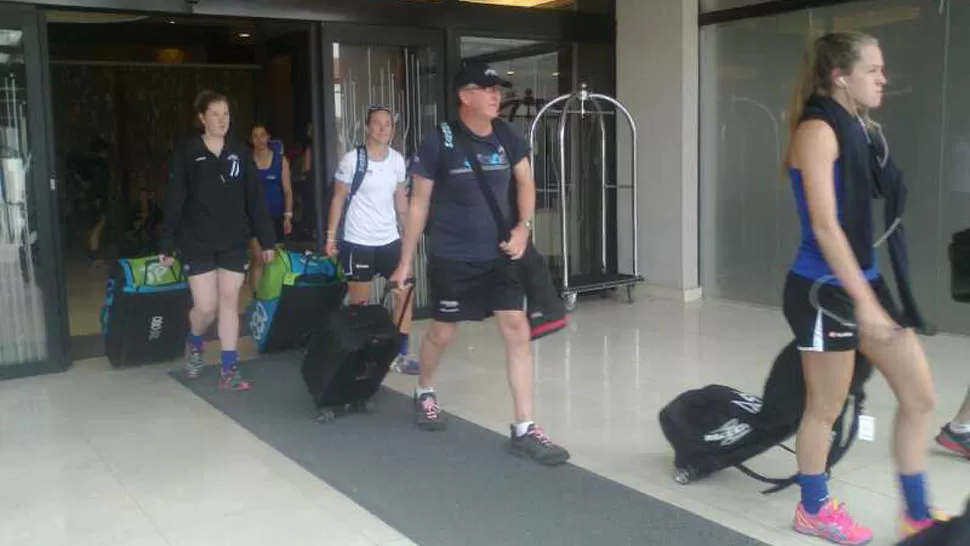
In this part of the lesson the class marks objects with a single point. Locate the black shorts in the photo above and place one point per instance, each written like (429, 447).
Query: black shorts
(473, 291)
(361, 263)
(818, 332)
(197, 263)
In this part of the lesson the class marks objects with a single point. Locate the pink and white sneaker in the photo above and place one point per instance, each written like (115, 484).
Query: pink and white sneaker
(832, 523)
(912, 526)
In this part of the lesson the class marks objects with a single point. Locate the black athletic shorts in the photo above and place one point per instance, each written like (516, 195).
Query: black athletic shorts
(818, 332)
(473, 291)
(197, 263)
(361, 263)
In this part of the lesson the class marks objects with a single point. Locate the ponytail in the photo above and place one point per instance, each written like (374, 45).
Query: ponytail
(804, 88)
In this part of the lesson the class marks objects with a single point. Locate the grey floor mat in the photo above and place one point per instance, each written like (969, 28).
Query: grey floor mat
(454, 488)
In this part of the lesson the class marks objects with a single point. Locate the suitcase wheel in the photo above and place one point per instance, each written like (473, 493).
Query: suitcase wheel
(682, 476)
(326, 415)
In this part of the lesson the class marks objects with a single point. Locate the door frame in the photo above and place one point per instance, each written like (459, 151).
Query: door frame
(43, 185)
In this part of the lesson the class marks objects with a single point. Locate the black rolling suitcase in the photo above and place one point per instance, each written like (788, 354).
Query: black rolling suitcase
(348, 357)
(145, 317)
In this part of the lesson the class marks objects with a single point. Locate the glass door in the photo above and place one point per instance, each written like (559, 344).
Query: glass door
(399, 68)
(31, 323)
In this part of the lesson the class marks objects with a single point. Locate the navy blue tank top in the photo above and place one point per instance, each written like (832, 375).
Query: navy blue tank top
(273, 184)
(809, 261)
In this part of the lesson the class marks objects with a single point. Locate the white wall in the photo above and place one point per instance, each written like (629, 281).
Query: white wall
(657, 80)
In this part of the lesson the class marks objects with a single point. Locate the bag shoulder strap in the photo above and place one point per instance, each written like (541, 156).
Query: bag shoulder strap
(355, 185)
(359, 174)
(462, 142)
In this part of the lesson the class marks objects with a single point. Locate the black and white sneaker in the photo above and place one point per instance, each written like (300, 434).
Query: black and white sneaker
(954, 441)
(428, 413)
(535, 445)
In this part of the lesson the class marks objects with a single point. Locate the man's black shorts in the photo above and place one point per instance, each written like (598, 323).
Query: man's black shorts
(473, 291)
(818, 332)
(361, 263)
(198, 263)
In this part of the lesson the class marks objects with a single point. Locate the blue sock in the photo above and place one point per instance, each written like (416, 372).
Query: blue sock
(229, 359)
(815, 491)
(404, 344)
(914, 491)
(196, 342)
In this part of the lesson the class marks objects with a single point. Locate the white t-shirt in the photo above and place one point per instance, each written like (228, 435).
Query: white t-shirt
(371, 217)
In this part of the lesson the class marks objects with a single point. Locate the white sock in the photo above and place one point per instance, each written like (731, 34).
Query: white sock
(523, 427)
(420, 391)
(960, 428)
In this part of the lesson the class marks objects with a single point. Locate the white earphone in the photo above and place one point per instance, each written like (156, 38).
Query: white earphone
(840, 81)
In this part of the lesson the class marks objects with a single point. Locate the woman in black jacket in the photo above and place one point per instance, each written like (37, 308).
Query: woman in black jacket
(214, 205)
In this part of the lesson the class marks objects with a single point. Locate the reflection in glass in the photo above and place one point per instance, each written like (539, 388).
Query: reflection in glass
(402, 78)
(22, 330)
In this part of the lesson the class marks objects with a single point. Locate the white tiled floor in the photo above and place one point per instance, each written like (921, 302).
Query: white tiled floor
(97, 457)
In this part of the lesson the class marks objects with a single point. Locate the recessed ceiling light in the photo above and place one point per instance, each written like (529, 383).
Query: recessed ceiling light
(244, 35)
(171, 21)
(511, 72)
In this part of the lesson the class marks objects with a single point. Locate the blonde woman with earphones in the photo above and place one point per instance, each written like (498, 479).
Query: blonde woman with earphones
(835, 275)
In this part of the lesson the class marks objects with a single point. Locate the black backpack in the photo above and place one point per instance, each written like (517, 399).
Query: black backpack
(717, 427)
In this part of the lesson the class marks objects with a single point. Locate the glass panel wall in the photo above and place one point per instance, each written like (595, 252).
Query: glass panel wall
(23, 332)
(408, 81)
(749, 229)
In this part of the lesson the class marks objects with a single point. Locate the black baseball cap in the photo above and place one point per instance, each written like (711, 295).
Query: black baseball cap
(479, 74)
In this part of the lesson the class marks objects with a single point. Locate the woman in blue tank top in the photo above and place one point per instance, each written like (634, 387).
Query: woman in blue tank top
(834, 276)
(274, 171)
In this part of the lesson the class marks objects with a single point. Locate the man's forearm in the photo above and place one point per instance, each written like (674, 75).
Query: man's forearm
(417, 217)
(525, 189)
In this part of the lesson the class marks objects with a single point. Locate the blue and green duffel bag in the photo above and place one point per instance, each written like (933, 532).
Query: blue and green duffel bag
(295, 292)
(145, 317)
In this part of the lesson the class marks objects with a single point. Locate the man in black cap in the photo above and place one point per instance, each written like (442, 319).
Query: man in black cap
(472, 274)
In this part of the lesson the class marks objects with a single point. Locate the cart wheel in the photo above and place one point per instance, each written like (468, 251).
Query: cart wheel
(570, 299)
(682, 476)
(326, 415)
(630, 294)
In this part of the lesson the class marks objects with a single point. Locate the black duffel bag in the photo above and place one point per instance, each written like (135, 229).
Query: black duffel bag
(145, 317)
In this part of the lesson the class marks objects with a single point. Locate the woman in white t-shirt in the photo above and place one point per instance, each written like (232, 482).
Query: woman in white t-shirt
(371, 242)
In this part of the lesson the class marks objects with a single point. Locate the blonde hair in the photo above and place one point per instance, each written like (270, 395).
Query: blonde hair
(832, 51)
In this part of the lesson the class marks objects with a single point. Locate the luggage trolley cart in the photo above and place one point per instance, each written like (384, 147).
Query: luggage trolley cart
(585, 103)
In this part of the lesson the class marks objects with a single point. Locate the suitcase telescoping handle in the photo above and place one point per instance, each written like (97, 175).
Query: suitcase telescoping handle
(390, 287)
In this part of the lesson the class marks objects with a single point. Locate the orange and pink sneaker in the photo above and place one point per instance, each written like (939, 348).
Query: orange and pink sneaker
(832, 523)
(911, 526)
